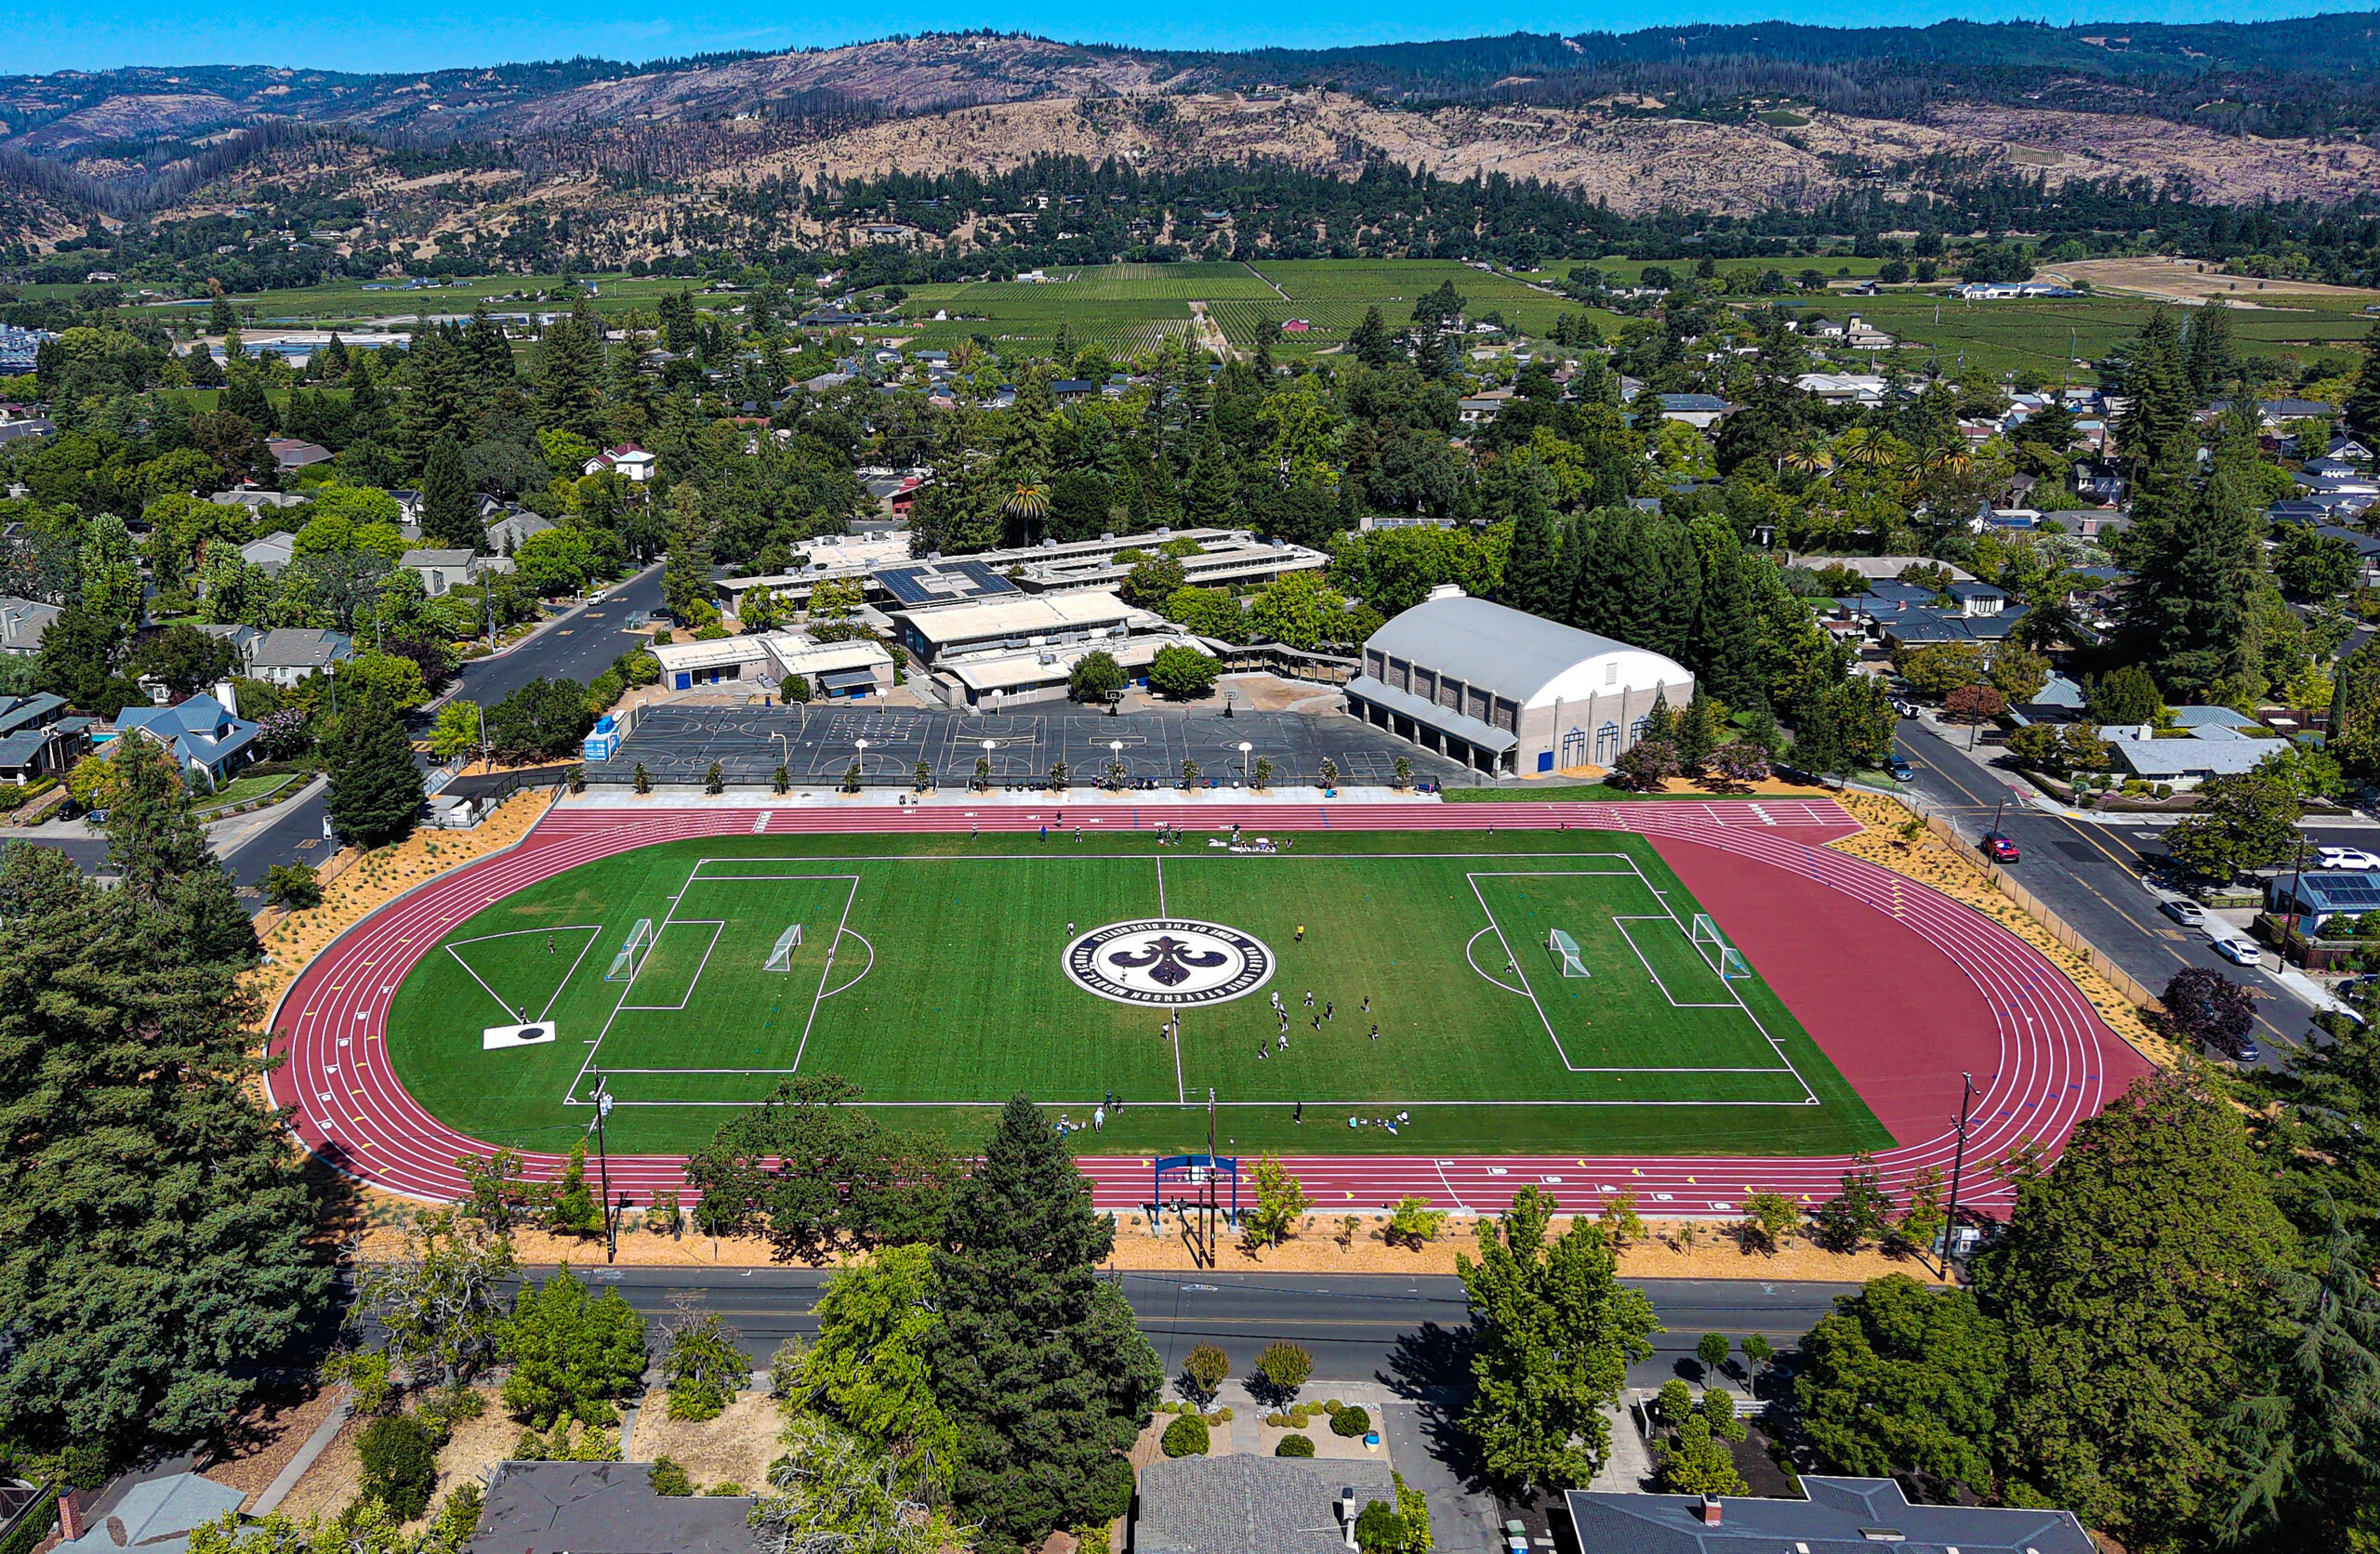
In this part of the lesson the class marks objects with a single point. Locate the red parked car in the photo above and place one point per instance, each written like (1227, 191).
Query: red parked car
(1999, 847)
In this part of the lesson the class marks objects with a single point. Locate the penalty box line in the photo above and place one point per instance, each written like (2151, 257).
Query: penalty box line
(1810, 1096)
(1555, 1037)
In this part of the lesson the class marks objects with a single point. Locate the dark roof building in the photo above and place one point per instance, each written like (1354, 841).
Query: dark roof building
(604, 1507)
(1840, 1517)
(1253, 1505)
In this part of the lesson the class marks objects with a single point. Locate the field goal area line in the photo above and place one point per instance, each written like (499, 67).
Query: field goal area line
(696, 876)
(1669, 915)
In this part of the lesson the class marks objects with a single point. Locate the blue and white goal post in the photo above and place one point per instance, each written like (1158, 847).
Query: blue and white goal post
(631, 960)
(1565, 951)
(1720, 956)
(781, 959)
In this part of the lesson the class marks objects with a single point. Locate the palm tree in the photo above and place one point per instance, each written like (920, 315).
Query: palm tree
(1811, 458)
(1863, 446)
(1028, 503)
(1947, 459)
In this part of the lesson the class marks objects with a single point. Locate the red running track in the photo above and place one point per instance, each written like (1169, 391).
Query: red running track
(1902, 987)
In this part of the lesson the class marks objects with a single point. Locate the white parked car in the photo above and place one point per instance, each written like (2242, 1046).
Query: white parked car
(2183, 911)
(2239, 952)
(2352, 857)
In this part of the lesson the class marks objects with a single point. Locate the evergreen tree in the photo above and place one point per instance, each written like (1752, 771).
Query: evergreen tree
(158, 1244)
(448, 514)
(1724, 655)
(442, 399)
(1037, 1363)
(2213, 361)
(570, 370)
(2187, 611)
(487, 355)
(376, 790)
(244, 396)
(685, 577)
(2155, 429)
(2127, 1278)
(2308, 1446)
(1533, 570)
(1369, 342)
(2362, 405)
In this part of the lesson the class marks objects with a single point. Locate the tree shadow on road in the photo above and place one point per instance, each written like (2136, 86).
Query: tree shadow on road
(1431, 1368)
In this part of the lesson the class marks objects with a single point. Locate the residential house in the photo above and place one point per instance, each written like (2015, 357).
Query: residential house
(1700, 411)
(604, 1507)
(240, 638)
(2214, 748)
(13, 431)
(271, 552)
(2318, 895)
(509, 528)
(253, 498)
(22, 624)
(441, 570)
(202, 734)
(1070, 390)
(1837, 1516)
(628, 461)
(291, 452)
(155, 1516)
(1255, 1505)
(290, 654)
(38, 737)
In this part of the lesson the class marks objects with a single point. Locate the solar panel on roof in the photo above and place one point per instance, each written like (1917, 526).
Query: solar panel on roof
(943, 582)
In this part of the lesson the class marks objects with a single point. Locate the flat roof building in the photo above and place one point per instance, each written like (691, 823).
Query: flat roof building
(1505, 691)
(1017, 621)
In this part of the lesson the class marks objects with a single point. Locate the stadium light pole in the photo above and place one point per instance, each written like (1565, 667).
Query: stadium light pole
(603, 1168)
(989, 745)
(1958, 1170)
(1246, 772)
(1116, 758)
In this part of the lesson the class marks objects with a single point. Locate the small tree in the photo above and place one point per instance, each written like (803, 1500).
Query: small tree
(703, 1365)
(1922, 1222)
(2208, 1009)
(1183, 674)
(1415, 1223)
(783, 780)
(1620, 1221)
(1280, 1198)
(399, 1465)
(1259, 774)
(1770, 1218)
(923, 775)
(1711, 1350)
(794, 689)
(1285, 1368)
(1203, 1370)
(293, 885)
(571, 1355)
(1860, 1212)
(1403, 774)
(1189, 775)
(850, 778)
(983, 775)
(715, 780)
(1974, 703)
(1647, 764)
(1758, 1352)
(667, 1477)
(1096, 674)
(1330, 773)
(572, 1210)
(643, 779)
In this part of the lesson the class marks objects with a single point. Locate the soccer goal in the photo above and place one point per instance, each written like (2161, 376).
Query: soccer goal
(1720, 956)
(781, 959)
(631, 960)
(1565, 951)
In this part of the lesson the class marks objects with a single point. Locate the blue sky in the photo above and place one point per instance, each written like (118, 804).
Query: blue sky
(423, 35)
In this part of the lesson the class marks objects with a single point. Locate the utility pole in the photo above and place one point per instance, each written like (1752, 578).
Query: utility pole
(1958, 1170)
(603, 1165)
(2296, 908)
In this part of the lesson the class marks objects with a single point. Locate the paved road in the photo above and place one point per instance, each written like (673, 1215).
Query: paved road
(1397, 1330)
(295, 836)
(581, 646)
(2091, 875)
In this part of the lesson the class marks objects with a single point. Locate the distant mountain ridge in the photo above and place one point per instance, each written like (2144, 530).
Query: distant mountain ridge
(2335, 57)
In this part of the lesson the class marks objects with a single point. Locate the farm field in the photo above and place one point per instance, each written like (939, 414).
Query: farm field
(940, 975)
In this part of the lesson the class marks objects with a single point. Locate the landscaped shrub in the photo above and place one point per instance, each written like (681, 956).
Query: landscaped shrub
(1294, 1446)
(1185, 1437)
(1285, 1368)
(725, 1489)
(1350, 1422)
(400, 1466)
(669, 1477)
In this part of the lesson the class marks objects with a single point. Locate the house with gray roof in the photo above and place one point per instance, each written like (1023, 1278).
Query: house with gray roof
(269, 551)
(1253, 1505)
(2210, 749)
(604, 1507)
(22, 624)
(38, 737)
(155, 1516)
(289, 654)
(507, 530)
(1841, 1516)
(441, 570)
(1507, 692)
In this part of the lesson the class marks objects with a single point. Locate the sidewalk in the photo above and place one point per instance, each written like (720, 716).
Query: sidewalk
(684, 797)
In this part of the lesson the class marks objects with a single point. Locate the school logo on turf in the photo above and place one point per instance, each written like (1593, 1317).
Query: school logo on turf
(1169, 961)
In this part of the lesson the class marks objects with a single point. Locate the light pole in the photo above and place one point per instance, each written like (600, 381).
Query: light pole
(604, 1166)
(989, 745)
(1958, 1169)
(1247, 772)
(861, 762)
(1115, 762)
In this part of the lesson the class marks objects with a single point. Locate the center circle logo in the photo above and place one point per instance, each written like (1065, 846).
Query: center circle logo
(1169, 962)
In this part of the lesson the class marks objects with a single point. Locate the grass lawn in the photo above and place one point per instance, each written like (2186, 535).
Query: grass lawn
(242, 790)
(947, 991)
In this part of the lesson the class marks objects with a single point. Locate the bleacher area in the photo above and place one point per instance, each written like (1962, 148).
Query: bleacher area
(676, 745)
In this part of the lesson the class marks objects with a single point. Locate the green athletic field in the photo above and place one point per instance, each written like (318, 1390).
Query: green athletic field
(946, 994)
